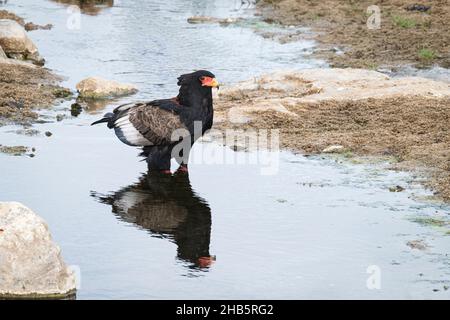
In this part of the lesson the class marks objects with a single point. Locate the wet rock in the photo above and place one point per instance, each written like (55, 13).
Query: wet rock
(417, 244)
(98, 88)
(334, 149)
(16, 43)
(418, 7)
(31, 265)
(202, 19)
(207, 19)
(48, 134)
(75, 109)
(30, 26)
(396, 189)
(62, 93)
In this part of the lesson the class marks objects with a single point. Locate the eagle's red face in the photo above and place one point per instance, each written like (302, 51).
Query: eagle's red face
(209, 82)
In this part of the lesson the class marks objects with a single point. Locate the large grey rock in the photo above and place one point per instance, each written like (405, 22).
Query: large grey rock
(98, 88)
(16, 43)
(31, 265)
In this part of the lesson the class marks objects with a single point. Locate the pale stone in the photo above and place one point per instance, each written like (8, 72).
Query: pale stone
(98, 88)
(16, 43)
(31, 265)
(333, 149)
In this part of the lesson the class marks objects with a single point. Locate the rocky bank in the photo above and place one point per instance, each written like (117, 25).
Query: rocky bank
(409, 32)
(365, 112)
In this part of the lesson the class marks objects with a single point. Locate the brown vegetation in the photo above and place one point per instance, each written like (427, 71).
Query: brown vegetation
(405, 37)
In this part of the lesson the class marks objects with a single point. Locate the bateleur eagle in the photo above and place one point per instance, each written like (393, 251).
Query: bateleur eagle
(159, 125)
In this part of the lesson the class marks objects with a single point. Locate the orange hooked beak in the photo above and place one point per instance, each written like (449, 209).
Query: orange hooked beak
(210, 82)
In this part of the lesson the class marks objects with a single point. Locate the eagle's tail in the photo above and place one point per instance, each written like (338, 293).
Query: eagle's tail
(106, 118)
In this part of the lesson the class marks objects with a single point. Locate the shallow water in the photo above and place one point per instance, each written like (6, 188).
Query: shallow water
(434, 73)
(313, 229)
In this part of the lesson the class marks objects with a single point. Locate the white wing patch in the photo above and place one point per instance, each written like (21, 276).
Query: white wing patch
(128, 134)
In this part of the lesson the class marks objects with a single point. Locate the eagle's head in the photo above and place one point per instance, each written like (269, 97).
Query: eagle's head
(200, 78)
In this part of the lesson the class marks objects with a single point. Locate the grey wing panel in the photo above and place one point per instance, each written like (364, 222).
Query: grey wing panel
(155, 124)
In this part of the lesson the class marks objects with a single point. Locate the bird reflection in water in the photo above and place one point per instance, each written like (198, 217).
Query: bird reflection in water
(167, 207)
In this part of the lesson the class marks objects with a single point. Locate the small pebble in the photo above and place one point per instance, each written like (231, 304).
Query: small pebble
(75, 109)
(396, 189)
(334, 149)
(48, 134)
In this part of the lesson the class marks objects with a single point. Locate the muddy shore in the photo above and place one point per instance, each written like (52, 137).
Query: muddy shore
(412, 129)
(25, 87)
(404, 121)
(24, 90)
(407, 34)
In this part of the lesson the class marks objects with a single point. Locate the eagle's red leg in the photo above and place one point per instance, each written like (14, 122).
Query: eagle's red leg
(158, 159)
(183, 168)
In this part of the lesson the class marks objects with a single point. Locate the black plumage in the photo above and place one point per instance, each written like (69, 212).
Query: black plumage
(159, 125)
(167, 207)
